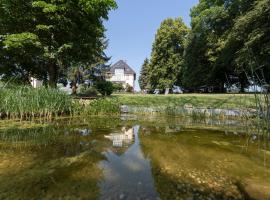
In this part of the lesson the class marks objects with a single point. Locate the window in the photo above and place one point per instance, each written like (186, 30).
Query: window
(119, 74)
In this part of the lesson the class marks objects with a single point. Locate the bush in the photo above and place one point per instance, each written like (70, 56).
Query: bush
(118, 87)
(102, 106)
(129, 88)
(88, 91)
(105, 88)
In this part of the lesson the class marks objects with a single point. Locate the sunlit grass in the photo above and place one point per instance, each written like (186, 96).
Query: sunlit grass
(20, 102)
(230, 101)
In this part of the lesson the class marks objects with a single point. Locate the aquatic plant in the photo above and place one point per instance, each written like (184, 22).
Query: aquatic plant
(26, 102)
(103, 106)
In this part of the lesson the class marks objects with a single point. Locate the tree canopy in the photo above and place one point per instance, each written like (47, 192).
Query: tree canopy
(229, 43)
(39, 38)
(226, 37)
(144, 75)
(167, 54)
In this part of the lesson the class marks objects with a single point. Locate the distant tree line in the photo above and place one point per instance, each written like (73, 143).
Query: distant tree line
(48, 39)
(228, 44)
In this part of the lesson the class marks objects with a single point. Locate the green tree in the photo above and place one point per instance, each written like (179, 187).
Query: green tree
(144, 75)
(65, 33)
(167, 54)
(210, 21)
(248, 43)
(211, 55)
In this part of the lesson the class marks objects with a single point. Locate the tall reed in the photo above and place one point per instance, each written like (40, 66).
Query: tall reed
(262, 97)
(26, 102)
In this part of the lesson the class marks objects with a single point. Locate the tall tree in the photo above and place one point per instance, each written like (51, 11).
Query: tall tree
(64, 32)
(248, 43)
(210, 55)
(144, 75)
(209, 22)
(167, 54)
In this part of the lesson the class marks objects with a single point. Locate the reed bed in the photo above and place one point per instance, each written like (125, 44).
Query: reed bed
(21, 102)
(26, 102)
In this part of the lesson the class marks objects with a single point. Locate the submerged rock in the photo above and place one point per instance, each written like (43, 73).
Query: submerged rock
(121, 196)
(124, 109)
(255, 190)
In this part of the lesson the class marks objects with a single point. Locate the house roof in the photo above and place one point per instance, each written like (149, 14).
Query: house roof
(122, 65)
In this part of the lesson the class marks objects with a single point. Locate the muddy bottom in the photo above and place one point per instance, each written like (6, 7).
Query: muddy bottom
(133, 158)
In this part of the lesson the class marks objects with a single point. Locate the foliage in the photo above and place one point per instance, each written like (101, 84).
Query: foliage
(90, 74)
(105, 87)
(103, 106)
(118, 87)
(129, 88)
(49, 103)
(42, 38)
(84, 90)
(224, 35)
(144, 75)
(25, 102)
(167, 54)
(248, 43)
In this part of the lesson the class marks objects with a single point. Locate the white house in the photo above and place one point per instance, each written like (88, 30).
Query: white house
(120, 72)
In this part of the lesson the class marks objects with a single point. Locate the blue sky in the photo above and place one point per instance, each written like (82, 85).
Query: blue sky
(131, 28)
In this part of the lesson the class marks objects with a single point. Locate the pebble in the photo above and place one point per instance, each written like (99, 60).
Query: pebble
(122, 196)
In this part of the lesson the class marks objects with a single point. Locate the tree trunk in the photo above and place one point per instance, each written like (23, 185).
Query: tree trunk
(53, 75)
(222, 88)
(242, 81)
(242, 87)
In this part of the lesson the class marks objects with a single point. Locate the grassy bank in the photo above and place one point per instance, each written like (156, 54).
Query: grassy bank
(18, 102)
(226, 101)
(26, 102)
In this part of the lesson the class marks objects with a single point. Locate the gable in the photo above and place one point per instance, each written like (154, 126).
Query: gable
(122, 65)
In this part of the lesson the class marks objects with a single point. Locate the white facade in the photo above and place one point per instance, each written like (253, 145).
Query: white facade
(121, 77)
(122, 73)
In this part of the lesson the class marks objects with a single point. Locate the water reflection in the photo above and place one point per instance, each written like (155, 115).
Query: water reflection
(85, 132)
(107, 158)
(125, 138)
(128, 175)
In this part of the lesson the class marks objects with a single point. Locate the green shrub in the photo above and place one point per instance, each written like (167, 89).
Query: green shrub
(84, 90)
(91, 91)
(105, 88)
(118, 87)
(103, 106)
(129, 88)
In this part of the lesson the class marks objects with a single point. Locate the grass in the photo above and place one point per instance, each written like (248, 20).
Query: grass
(24, 102)
(228, 101)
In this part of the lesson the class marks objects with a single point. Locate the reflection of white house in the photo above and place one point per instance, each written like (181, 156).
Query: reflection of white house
(120, 72)
(120, 139)
(36, 83)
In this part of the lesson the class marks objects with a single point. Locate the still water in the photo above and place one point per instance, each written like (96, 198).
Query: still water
(133, 158)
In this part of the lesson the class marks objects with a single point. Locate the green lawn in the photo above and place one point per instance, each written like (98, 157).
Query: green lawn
(197, 100)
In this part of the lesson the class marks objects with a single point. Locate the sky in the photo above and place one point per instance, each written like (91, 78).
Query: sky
(131, 28)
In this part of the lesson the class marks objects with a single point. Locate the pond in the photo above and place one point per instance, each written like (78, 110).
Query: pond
(133, 157)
